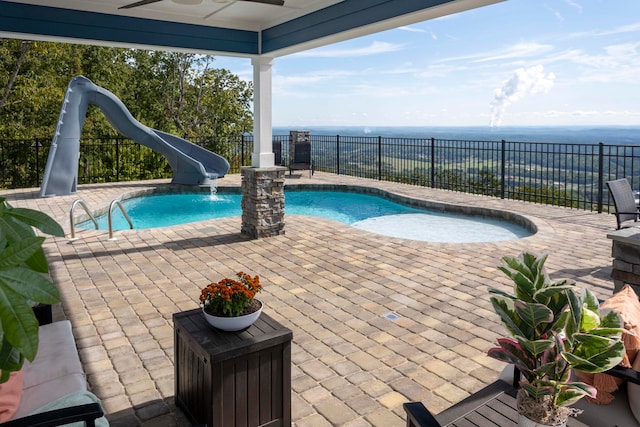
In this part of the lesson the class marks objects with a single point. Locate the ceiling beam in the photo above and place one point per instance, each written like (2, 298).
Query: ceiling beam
(341, 21)
(354, 18)
(19, 20)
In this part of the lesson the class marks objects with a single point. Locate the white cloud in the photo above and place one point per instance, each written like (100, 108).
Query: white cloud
(314, 77)
(523, 82)
(289, 85)
(406, 68)
(626, 50)
(621, 29)
(440, 70)
(375, 48)
(412, 29)
(617, 63)
(574, 5)
(519, 50)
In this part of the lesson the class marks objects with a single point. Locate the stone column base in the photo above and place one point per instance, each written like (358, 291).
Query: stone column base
(262, 201)
(625, 250)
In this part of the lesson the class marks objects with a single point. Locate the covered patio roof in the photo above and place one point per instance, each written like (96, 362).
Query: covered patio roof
(229, 27)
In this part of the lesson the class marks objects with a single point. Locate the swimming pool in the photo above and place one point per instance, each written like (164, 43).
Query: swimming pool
(364, 211)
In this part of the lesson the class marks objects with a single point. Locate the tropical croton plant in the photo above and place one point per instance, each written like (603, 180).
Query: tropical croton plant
(554, 328)
(231, 297)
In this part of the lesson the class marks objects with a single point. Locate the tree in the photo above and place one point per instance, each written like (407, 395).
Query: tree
(173, 92)
(13, 68)
(486, 183)
(546, 195)
(203, 101)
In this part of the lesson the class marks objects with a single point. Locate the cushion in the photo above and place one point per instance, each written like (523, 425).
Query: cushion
(55, 372)
(633, 392)
(41, 394)
(615, 414)
(627, 304)
(10, 394)
(73, 399)
(57, 355)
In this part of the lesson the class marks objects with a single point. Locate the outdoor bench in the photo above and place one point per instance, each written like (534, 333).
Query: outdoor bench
(55, 384)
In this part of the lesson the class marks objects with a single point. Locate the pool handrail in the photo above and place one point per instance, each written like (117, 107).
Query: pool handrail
(86, 209)
(114, 203)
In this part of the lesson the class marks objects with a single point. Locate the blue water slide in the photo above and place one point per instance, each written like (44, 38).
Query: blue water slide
(191, 164)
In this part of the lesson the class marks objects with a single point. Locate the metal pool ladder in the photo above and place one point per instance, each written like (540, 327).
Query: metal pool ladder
(112, 206)
(86, 209)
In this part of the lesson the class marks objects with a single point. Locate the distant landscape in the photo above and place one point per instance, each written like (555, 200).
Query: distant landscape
(610, 135)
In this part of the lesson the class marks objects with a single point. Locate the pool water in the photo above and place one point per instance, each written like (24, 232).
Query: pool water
(372, 213)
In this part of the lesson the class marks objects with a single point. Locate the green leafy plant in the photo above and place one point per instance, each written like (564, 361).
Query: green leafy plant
(230, 297)
(23, 283)
(554, 329)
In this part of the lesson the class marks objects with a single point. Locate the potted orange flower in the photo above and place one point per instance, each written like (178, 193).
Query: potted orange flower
(230, 305)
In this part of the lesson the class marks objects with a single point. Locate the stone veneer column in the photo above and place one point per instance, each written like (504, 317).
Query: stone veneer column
(263, 201)
(625, 251)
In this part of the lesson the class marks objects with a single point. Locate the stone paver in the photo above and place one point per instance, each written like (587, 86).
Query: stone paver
(331, 284)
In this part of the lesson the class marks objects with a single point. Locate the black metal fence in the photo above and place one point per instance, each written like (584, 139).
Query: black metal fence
(571, 175)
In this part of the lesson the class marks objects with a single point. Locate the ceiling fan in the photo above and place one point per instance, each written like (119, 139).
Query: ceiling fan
(144, 2)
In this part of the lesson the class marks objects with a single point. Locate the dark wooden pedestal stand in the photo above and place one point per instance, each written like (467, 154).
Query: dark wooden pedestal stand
(226, 379)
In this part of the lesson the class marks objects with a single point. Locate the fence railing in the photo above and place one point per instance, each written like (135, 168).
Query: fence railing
(570, 175)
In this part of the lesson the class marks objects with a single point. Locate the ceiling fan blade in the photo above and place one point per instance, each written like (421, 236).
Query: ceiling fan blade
(273, 2)
(138, 3)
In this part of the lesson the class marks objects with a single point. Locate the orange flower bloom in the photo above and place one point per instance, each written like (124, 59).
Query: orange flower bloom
(230, 297)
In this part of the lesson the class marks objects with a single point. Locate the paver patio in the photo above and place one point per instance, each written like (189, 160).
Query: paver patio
(331, 284)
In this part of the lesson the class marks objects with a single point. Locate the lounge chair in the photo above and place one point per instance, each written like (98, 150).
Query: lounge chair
(277, 152)
(54, 390)
(624, 202)
(499, 396)
(300, 157)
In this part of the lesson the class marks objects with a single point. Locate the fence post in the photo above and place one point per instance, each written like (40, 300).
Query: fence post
(433, 162)
(337, 154)
(117, 159)
(379, 157)
(242, 150)
(600, 175)
(37, 163)
(502, 168)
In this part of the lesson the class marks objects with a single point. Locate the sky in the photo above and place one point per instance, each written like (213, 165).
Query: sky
(515, 63)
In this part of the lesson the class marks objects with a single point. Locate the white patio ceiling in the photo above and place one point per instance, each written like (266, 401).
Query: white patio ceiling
(229, 27)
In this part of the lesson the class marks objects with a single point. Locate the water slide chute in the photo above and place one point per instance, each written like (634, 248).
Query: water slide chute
(190, 163)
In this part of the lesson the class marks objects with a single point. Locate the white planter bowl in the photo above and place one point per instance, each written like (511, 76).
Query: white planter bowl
(232, 324)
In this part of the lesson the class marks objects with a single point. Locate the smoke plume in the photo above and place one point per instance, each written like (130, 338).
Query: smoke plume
(523, 82)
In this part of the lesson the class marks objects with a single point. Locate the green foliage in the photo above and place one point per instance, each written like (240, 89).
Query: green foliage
(545, 195)
(450, 180)
(553, 330)
(173, 92)
(22, 283)
(487, 183)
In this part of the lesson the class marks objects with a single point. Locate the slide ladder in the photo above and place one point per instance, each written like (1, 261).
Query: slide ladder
(191, 164)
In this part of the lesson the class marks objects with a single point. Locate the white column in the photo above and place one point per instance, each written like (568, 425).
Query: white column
(262, 156)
